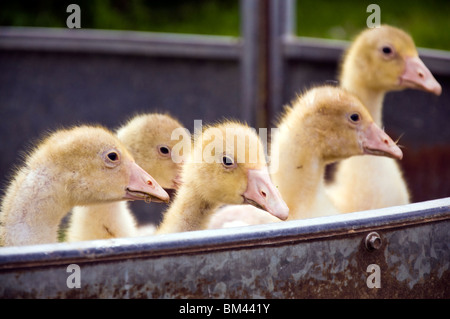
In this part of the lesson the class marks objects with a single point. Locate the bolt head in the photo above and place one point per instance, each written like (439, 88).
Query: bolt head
(373, 241)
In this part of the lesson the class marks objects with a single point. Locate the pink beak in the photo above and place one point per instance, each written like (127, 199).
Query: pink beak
(142, 186)
(262, 193)
(417, 76)
(376, 142)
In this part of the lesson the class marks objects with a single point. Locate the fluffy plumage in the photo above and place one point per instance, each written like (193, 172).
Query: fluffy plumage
(323, 125)
(379, 60)
(79, 166)
(148, 137)
(227, 166)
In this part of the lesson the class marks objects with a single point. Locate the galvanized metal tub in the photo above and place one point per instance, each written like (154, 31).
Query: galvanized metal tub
(329, 257)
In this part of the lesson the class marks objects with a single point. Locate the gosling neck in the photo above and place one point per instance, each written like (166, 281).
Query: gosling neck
(187, 213)
(372, 98)
(33, 209)
(299, 177)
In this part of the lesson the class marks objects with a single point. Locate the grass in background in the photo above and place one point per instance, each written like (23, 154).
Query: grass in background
(427, 21)
(217, 17)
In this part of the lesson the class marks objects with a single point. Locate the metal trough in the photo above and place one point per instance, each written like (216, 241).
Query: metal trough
(397, 252)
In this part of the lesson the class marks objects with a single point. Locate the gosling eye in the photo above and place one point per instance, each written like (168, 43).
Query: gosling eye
(355, 117)
(228, 162)
(387, 51)
(164, 150)
(111, 158)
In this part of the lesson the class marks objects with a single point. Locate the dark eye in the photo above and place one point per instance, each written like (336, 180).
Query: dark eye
(164, 150)
(227, 161)
(113, 156)
(387, 50)
(355, 117)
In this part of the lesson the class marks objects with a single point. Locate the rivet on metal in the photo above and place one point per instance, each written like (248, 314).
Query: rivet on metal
(373, 241)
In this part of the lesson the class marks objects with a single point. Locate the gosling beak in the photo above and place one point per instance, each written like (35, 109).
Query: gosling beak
(375, 141)
(262, 193)
(142, 186)
(417, 76)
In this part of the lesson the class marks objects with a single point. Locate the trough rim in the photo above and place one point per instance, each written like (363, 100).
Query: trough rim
(204, 241)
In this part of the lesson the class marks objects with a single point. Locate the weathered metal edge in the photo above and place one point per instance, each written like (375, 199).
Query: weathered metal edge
(181, 45)
(231, 238)
(120, 42)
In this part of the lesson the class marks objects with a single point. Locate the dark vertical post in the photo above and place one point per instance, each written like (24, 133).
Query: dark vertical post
(264, 26)
(289, 18)
(254, 61)
(282, 25)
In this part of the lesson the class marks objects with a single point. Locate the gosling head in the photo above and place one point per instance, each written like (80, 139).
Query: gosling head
(150, 139)
(386, 59)
(337, 125)
(228, 166)
(95, 167)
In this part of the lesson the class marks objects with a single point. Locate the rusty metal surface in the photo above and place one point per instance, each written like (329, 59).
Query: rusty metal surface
(314, 258)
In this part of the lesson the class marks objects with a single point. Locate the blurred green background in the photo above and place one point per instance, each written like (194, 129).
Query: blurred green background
(427, 21)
